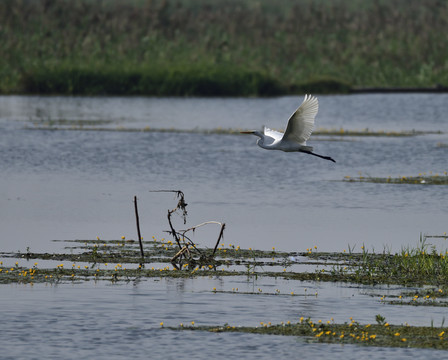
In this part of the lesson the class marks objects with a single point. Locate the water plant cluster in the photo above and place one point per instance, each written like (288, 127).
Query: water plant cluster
(87, 259)
(167, 47)
(352, 332)
(421, 179)
(105, 125)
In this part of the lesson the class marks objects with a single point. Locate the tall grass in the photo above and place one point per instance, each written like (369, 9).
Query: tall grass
(220, 47)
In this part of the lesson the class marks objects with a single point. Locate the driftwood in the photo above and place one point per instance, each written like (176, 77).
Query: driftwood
(187, 247)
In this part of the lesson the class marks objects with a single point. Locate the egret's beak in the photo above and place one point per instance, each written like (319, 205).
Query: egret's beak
(247, 132)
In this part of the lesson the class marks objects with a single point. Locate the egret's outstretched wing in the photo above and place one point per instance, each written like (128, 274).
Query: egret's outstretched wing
(276, 135)
(301, 123)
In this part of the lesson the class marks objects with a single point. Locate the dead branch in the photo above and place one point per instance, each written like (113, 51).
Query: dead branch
(183, 241)
(138, 228)
(180, 205)
(179, 254)
(221, 235)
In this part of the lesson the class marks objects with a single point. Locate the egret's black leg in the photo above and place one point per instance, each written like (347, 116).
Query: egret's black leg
(321, 156)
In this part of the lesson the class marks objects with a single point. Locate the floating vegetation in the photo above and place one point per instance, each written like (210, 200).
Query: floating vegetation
(379, 334)
(89, 259)
(92, 125)
(368, 132)
(421, 179)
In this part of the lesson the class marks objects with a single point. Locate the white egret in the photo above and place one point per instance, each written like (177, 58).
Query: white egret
(299, 129)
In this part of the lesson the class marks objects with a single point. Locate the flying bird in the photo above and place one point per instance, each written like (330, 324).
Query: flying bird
(299, 129)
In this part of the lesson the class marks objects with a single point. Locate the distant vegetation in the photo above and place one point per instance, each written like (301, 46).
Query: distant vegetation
(220, 47)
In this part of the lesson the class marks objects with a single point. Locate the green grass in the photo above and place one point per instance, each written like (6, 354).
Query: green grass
(422, 265)
(220, 48)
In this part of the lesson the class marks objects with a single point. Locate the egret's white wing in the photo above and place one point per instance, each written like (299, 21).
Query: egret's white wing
(301, 123)
(276, 135)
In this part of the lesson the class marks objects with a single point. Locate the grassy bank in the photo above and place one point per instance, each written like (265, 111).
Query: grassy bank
(167, 47)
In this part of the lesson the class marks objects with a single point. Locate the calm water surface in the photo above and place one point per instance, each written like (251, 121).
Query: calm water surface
(80, 184)
(64, 184)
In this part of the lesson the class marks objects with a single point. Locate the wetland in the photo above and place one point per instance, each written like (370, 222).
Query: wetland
(326, 253)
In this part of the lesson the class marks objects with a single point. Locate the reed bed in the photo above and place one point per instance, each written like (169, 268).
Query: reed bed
(197, 47)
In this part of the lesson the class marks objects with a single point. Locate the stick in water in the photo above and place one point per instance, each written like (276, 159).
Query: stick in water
(138, 228)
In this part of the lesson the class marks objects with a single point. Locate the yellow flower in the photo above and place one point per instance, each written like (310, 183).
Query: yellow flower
(192, 323)
(161, 324)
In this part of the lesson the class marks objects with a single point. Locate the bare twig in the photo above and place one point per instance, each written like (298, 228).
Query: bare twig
(180, 253)
(185, 237)
(138, 228)
(221, 235)
(173, 231)
(183, 241)
(180, 205)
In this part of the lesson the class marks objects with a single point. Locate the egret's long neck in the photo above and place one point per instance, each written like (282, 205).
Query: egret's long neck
(260, 141)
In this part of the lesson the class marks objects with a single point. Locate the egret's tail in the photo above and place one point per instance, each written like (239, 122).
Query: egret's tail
(306, 148)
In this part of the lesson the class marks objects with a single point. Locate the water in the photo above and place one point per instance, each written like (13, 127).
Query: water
(80, 184)
(68, 184)
(113, 321)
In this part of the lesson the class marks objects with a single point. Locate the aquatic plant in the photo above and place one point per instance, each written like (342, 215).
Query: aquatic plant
(352, 332)
(93, 125)
(421, 179)
(419, 266)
